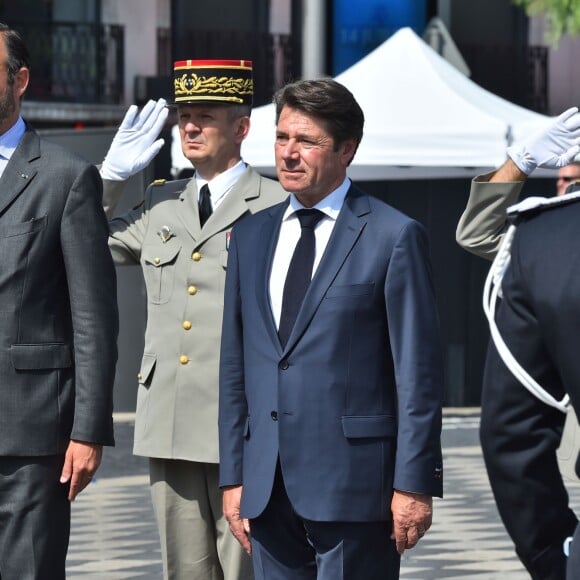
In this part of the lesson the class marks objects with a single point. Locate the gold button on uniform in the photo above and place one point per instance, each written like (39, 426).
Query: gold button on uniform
(139, 376)
(191, 290)
(183, 359)
(186, 324)
(157, 260)
(196, 256)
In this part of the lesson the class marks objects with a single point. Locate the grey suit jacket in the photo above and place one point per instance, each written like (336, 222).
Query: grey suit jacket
(58, 303)
(482, 225)
(184, 271)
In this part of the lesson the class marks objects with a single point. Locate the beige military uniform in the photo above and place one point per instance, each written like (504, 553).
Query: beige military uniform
(184, 268)
(482, 225)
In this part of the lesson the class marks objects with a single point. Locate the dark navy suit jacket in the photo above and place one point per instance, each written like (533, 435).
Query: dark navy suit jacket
(539, 319)
(352, 404)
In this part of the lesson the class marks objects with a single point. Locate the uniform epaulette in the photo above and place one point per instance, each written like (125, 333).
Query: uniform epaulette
(538, 204)
(159, 182)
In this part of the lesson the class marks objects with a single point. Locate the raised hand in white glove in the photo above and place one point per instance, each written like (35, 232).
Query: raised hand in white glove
(135, 143)
(552, 147)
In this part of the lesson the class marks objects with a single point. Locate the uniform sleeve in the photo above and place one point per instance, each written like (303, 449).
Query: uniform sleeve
(483, 223)
(127, 233)
(112, 192)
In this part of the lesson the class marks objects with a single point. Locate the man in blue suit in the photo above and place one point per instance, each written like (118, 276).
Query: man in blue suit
(330, 407)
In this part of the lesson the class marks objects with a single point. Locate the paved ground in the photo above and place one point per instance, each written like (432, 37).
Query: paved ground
(114, 535)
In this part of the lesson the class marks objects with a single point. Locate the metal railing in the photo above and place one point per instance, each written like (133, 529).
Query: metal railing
(76, 62)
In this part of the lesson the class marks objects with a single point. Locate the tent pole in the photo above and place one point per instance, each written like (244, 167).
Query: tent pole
(313, 39)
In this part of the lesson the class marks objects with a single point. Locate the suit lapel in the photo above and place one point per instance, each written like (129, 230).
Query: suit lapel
(19, 173)
(269, 234)
(233, 206)
(348, 228)
(229, 211)
(189, 213)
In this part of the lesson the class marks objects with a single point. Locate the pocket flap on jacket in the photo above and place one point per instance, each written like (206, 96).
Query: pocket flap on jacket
(19, 229)
(357, 426)
(350, 290)
(160, 255)
(27, 357)
(147, 365)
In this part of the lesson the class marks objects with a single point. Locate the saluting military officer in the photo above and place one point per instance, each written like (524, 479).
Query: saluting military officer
(180, 237)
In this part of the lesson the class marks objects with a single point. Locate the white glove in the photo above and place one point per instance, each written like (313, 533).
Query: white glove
(135, 142)
(553, 147)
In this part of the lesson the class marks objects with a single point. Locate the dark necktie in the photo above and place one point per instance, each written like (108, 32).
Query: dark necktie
(299, 272)
(205, 209)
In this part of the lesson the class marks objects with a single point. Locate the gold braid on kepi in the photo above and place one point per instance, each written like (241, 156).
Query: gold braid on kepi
(213, 82)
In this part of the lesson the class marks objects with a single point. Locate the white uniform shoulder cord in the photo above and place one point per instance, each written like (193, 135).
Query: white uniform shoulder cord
(491, 291)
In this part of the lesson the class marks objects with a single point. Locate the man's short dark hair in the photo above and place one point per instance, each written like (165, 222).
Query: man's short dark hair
(237, 111)
(17, 55)
(328, 101)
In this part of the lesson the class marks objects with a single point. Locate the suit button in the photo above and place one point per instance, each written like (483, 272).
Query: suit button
(191, 290)
(274, 415)
(284, 365)
(183, 359)
(186, 325)
(196, 256)
(139, 376)
(157, 260)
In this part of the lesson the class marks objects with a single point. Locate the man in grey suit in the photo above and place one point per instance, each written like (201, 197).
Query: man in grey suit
(180, 237)
(58, 333)
(330, 406)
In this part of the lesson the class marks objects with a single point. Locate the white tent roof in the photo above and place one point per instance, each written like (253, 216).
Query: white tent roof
(423, 118)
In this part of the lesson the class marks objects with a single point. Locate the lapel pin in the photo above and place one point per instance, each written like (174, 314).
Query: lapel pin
(165, 233)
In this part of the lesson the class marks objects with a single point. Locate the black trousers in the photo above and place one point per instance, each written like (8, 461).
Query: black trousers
(34, 518)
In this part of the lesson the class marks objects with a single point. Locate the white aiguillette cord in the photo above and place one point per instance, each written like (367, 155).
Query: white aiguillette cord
(491, 291)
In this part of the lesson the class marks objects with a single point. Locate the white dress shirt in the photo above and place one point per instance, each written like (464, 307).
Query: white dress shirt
(220, 185)
(9, 141)
(290, 234)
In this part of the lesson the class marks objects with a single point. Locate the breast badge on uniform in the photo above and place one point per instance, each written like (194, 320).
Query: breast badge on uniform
(165, 234)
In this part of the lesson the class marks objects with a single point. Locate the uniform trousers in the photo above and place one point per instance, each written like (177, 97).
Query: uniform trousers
(34, 518)
(196, 542)
(286, 546)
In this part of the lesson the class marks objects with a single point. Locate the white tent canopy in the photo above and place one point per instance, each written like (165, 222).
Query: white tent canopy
(423, 118)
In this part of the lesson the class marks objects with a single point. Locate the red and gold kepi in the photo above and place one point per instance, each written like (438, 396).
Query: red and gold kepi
(213, 82)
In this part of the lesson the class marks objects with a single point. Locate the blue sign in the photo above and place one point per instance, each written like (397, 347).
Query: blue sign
(360, 26)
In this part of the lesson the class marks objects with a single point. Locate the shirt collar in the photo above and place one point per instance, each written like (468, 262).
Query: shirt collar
(329, 205)
(223, 182)
(10, 139)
